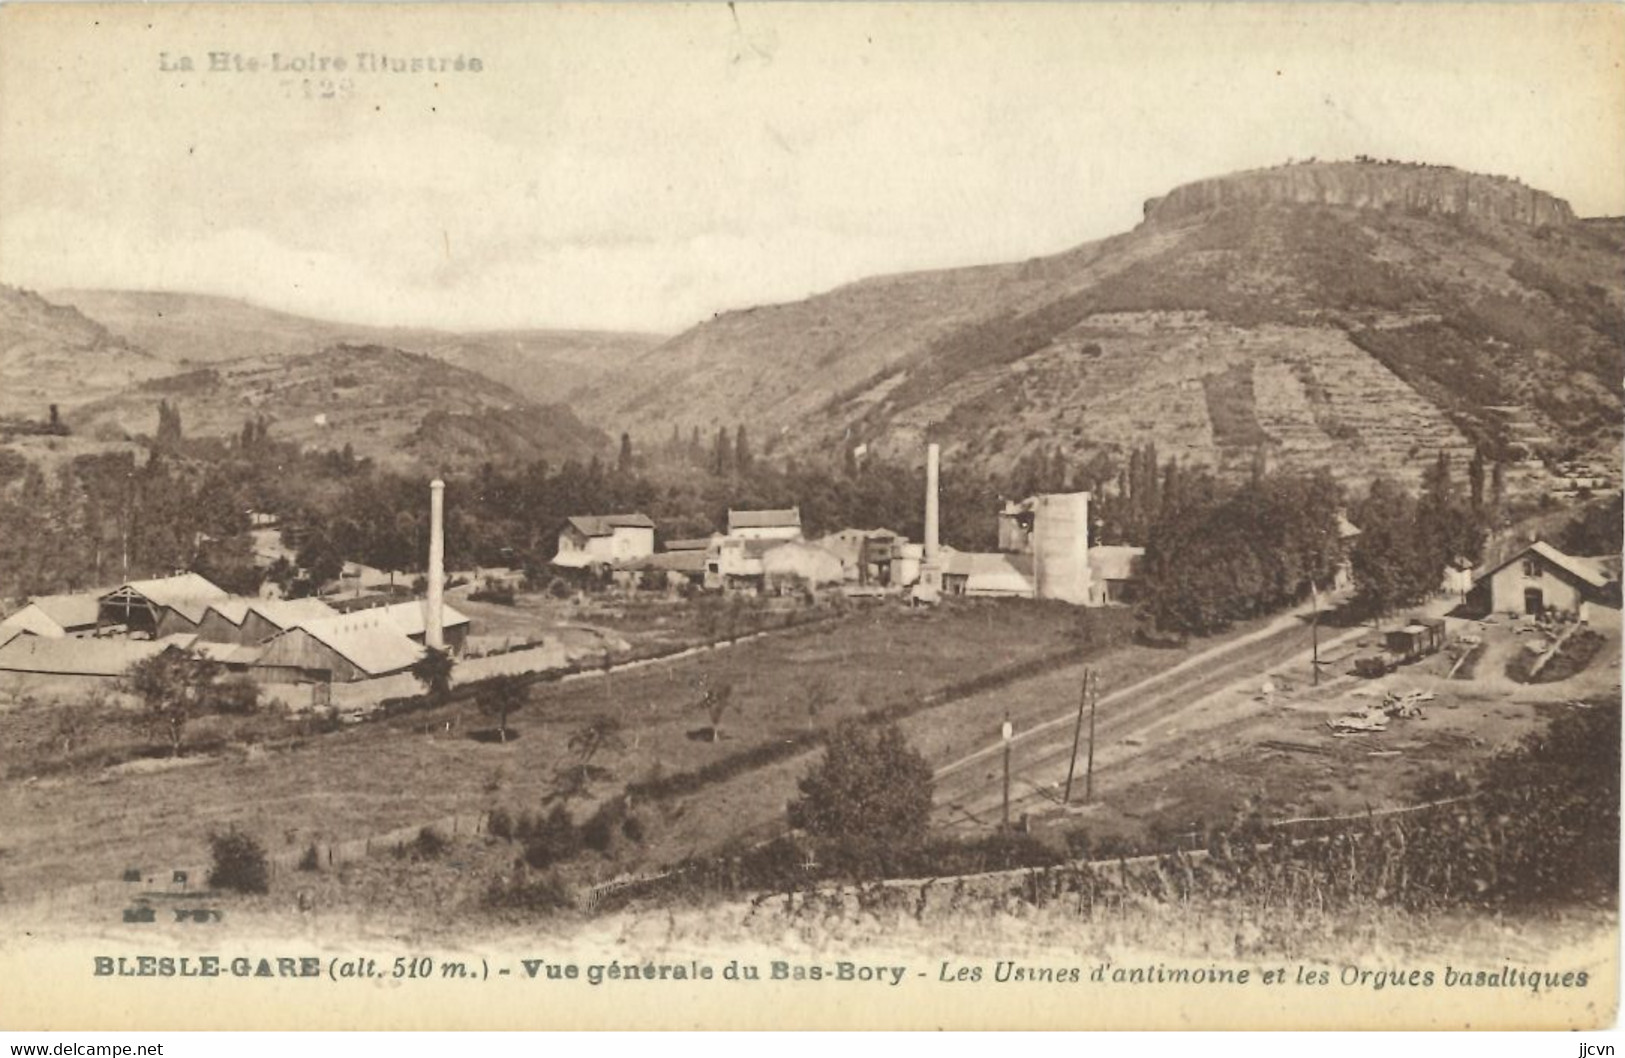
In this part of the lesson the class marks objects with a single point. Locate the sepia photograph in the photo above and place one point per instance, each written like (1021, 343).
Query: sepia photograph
(832, 515)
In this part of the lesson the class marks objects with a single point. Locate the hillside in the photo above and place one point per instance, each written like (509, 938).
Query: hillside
(402, 409)
(51, 354)
(1358, 315)
(194, 330)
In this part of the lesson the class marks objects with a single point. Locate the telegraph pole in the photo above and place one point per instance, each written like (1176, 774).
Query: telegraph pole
(1077, 736)
(1089, 774)
(1314, 626)
(1009, 733)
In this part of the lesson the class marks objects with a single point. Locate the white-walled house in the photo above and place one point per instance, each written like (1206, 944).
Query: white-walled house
(784, 524)
(1541, 578)
(605, 539)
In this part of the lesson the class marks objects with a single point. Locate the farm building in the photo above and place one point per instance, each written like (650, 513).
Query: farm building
(591, 540)
(782, 524)
(987, 574)
(796, 563)
(1114, 573)
(341, 649)
(253, 621)
(161, 606)
(668, 569)
(1540, 578)
(55, 616)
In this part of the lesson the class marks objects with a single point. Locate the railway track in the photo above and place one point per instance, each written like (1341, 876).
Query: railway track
(969, 791)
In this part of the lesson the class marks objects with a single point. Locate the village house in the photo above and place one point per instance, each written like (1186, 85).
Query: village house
(1541, 579)
(782, 524)
(607, 539)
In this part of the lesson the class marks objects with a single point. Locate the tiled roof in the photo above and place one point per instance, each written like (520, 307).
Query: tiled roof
(770, 519)
(367, 640)
(76, 657)
(186, 593)
(606, 524)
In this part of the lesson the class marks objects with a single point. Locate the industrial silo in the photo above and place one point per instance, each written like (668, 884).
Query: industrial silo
(1061, 547)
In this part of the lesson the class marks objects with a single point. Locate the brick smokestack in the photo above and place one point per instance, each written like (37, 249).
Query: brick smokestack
(932, 456)
(434, 620)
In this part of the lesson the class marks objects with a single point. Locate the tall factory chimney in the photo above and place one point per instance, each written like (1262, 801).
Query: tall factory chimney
(932, 458)
(929, 588)
(434, 620)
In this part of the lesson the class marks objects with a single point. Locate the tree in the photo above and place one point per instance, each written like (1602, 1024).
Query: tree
(174, 686)
(623, 462)
(433, 671)
(1391, 562)
(239, 863)
(722, 460)
(742, 456)
(868, 800)
(818, 695)
(716, 702)
(601, 733)
(501, 697)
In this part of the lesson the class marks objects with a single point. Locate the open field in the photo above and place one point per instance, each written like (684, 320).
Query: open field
(1197, 745)
(380, 776)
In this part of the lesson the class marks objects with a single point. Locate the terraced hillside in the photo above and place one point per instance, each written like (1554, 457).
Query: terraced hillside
(1360, 315)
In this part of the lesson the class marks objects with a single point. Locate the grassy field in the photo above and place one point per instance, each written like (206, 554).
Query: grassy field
(373, 778)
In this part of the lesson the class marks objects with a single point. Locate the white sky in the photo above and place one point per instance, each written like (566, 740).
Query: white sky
(639, 167)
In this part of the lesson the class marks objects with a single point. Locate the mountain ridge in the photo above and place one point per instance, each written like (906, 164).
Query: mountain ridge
(1353, 295)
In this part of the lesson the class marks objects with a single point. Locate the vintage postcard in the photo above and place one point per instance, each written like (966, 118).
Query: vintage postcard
(810, 516)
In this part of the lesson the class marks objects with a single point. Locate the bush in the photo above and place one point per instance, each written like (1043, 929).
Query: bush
(239, 863)
(237, 697)
(552, 840)
(311, 860)
(500, 595)
(430, 844)
(868, 801)
(500, 824)
(544, 894)
(598, 833)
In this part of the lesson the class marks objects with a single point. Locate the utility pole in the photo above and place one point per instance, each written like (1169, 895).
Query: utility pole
(1314, 626)
(1089, 773)
(1009, 733)
(1077, 736)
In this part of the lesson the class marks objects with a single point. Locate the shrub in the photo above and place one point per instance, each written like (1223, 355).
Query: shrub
(545, 894)
(311, 860)
(430, 844)
(500, 824)
(552, 840)
(868, 800)
(239, 863)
